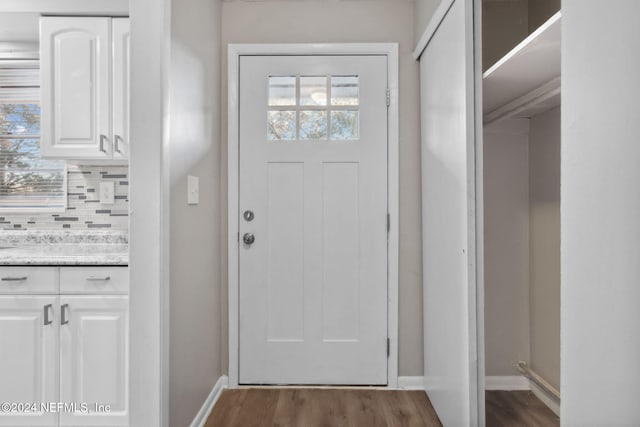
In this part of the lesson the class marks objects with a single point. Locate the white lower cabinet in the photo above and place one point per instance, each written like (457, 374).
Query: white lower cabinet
(66, 350)
(28, 359)
(94, 360)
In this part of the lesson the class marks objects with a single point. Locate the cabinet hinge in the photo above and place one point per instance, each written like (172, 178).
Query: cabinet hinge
(388, 222)
(238, 236)
(388, 347)
(388, 97)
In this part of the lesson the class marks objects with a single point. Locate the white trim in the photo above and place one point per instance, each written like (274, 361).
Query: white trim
(411, 383)
(203, 414)
(391, 51)
(507, 382)
(149, 216)
(433, 25)
(545, 398)
(67, 7)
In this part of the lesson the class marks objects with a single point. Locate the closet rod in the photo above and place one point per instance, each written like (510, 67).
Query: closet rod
(533, 376)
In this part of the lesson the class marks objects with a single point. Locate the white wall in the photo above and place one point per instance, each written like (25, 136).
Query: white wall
(504, 25)
(506, 245)
(540, 11)
(353, 21)
(423, 11)
(195, 322)
(600, 213)
(544, 266)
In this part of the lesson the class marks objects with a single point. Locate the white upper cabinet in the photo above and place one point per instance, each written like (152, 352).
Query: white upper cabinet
(84, 87)
(121, 72)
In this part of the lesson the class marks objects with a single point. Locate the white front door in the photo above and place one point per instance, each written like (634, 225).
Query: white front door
(313, 220)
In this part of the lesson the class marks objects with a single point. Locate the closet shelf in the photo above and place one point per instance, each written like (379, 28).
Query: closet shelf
(526, 81)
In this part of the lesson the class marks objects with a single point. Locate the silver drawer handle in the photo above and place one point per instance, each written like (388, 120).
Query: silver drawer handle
(47, 308)
(63, 316)
(103, 138)
(98, 279)
(116, 146)
(14, 279)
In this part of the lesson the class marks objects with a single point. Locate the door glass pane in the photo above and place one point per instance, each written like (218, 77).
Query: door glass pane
(313, 125)
(344, 125)
(281, 125)
(344, 90)
(313, 90)
(282, 90)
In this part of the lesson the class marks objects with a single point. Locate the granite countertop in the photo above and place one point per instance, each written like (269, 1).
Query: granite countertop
(64, 248)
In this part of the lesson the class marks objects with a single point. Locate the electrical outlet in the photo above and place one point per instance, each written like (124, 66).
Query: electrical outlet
(193, 190)
(107, 190)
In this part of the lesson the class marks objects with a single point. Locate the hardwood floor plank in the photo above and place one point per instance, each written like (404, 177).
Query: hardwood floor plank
(399, 410)
(425, 408)
(227, 407)
(518, 409)
(258, 408)
(293, 409)
(290, 407)
(363, 409)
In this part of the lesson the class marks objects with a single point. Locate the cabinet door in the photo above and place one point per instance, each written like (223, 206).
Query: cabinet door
(28, 358)
(94, 362)
(121, 72)
(76, 66)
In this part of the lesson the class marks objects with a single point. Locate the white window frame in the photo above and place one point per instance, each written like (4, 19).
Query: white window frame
(234, 54)
(20, 95)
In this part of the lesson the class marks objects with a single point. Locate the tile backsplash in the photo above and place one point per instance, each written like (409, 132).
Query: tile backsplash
(84, 210)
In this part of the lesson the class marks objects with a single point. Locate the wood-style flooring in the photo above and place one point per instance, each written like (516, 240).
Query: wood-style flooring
(518, 408)
(295, 407)
(303, 407)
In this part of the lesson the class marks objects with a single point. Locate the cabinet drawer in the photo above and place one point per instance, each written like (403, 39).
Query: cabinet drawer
(94, 280)
(28, 280)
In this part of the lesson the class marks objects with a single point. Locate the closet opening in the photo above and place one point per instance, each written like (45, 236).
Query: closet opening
(521, 134)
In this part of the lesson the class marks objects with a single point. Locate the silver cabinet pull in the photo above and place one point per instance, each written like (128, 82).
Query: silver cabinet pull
(14, 279)
(248, 238)
(98, 279)
(102, 139)
(116, 145)
(47, 309)
(63, 316)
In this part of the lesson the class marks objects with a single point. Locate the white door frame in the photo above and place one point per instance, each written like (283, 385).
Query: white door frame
(235, 52)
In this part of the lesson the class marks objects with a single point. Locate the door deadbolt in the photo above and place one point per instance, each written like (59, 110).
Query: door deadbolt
(248, 215)
(248, 238)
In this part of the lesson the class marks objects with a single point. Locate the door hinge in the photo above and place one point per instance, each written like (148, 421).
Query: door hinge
(388, 222)
(388, 347)
(388, 97)
(238, 236)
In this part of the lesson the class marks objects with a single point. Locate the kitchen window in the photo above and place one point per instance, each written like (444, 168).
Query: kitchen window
(28, 183)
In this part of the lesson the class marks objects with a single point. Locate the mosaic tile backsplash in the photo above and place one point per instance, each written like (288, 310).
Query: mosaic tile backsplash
(84, 210)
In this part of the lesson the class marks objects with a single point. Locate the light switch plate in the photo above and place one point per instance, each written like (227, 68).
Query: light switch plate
(193, 190)
(107, 190)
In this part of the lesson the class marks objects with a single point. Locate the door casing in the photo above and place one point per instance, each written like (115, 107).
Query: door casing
(352, 49)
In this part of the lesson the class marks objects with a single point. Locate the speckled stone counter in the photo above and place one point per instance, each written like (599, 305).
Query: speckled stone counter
(64, 248)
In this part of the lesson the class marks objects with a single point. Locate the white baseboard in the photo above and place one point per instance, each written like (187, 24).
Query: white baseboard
(507, 382)
(411, 383)
(207, 407)
(551, 402)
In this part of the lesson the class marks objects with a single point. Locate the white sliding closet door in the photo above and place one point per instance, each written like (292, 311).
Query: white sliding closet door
(451, 244)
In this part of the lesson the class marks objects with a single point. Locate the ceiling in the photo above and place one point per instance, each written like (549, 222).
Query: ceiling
(19, 27)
